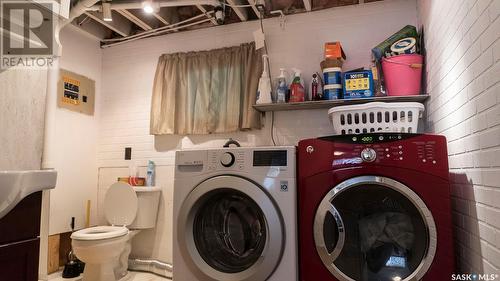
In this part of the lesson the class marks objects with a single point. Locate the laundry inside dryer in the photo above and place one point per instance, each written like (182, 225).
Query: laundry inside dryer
(384, 233)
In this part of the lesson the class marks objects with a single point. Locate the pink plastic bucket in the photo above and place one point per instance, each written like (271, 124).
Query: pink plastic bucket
(402, 74)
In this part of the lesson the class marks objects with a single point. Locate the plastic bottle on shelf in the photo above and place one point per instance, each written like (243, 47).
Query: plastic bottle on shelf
(150, 174)
(264, 90)
(316, 90)
(282, 87)
(297, 91)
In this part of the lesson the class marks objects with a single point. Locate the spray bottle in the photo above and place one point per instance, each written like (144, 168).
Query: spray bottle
(282, 87)
(150, 175)
(264, 90)
(297, 91)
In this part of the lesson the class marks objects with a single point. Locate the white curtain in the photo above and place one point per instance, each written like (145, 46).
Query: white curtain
(206, 92)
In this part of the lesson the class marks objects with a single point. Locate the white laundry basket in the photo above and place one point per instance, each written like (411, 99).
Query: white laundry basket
(376, 117)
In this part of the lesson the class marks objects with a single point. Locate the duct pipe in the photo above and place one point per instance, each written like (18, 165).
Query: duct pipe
(48, 155)
(51, 90)
(152, 266)
(158, 4)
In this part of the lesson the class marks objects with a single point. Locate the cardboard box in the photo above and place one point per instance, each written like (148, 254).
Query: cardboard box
(358, 84)
(333, 50)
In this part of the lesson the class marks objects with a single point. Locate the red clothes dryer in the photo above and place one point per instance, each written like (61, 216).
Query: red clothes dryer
(374, 207)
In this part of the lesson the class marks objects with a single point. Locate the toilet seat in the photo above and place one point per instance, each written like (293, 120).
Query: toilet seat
(100, 233)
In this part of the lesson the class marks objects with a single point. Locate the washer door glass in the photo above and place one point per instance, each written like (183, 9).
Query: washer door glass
(229, 230)
(373, 232)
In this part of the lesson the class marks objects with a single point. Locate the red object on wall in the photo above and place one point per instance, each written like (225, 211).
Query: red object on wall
(412, 161)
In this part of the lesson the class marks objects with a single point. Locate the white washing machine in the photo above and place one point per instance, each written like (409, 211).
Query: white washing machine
(235, 215)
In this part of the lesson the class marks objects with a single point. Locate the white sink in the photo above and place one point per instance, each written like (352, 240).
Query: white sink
(16, 185)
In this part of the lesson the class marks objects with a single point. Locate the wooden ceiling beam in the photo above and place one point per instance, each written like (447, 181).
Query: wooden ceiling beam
(161, 19)
(240, 11)
(137, 21)
(91, 28)
(203, 10)
(254, 8)
(307, 5)
(115, 25)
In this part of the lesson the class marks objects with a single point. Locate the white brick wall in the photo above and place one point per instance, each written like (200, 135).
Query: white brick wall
(463, 70)
(128, 72)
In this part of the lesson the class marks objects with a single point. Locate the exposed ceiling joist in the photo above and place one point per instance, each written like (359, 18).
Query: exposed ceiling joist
(240, 11)
(126, 5)
(307, 5)
(137, 21)
(161, 19)
(114, 25)
(203, 10)
(254, 8)
(167, 16)
(92, 29)
(178, 15)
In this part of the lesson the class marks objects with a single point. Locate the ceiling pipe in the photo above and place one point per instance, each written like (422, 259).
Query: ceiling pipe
(157, 4)
(81, 7)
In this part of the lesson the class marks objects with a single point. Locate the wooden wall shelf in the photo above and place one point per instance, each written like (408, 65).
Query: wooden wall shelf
(332, 103)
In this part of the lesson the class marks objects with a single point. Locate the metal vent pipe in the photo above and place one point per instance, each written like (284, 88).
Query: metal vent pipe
(152, 266)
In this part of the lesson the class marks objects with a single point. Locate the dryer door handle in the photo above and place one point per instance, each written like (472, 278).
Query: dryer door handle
(324, 250)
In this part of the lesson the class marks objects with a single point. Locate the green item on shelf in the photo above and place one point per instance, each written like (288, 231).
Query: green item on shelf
(385, 46)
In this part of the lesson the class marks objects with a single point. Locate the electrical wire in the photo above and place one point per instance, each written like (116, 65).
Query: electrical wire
(272, 128)
(269, 73)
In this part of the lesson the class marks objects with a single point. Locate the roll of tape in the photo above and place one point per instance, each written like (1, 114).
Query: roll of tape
(405, 46)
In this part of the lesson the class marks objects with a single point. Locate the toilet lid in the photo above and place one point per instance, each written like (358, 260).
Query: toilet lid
(120, 204)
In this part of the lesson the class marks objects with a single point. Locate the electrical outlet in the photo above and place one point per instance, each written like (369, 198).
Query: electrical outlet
(128, 153)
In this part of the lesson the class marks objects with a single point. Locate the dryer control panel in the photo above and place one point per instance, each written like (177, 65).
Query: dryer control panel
(383, 149)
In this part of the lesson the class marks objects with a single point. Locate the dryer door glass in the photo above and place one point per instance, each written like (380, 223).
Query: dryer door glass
(385, 235)
(229, 230)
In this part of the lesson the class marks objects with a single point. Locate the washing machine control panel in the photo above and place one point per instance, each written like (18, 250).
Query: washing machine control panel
(219, 159)
(227, 159)
(270, 161)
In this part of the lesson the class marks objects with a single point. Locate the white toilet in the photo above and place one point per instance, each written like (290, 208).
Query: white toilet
(105, 249)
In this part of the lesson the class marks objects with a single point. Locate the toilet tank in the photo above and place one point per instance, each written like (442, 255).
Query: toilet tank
(147, 207)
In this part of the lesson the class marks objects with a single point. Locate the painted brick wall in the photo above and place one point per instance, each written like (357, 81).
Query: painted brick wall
(463, 70)
(128, 72)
